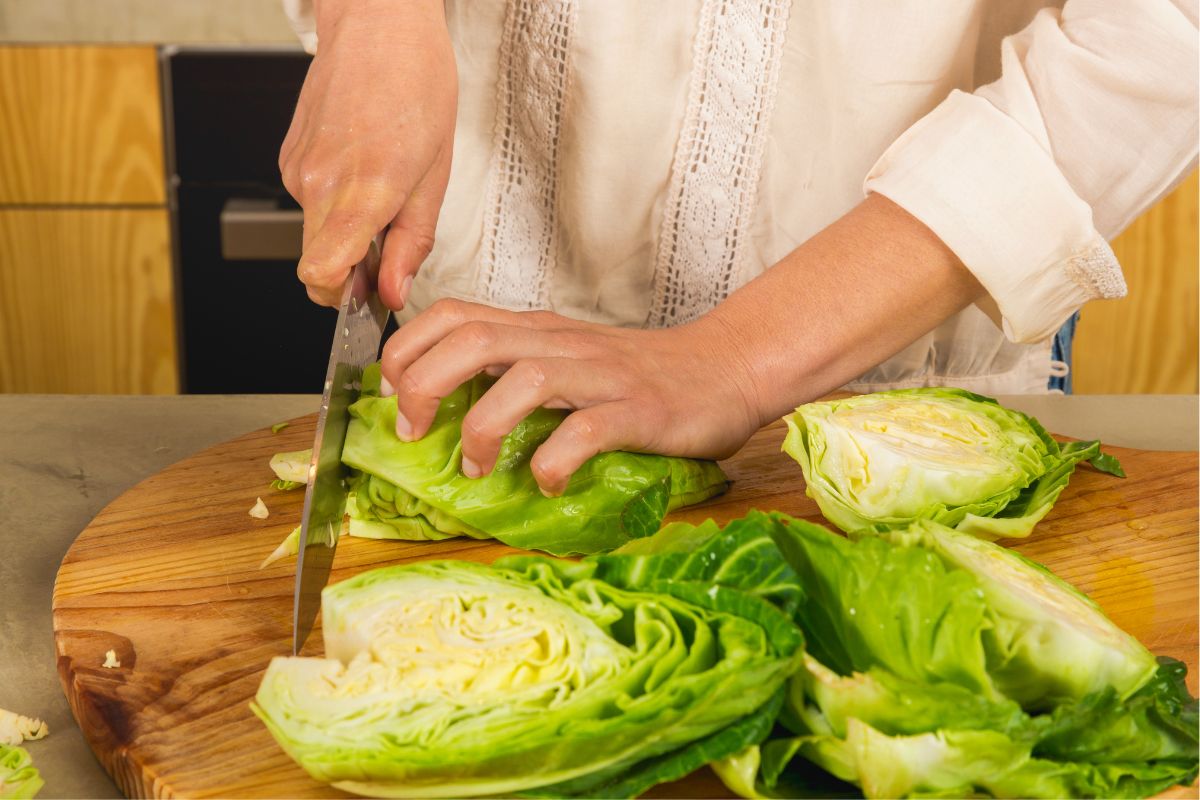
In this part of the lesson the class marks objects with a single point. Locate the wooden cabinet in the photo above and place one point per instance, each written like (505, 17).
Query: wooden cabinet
(88, 305)
(1146, 342)
(86, 297)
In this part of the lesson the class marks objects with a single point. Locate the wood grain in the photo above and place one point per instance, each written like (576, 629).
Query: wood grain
(86, 302)
(167, 575)
(80, 125)
(1146, 342)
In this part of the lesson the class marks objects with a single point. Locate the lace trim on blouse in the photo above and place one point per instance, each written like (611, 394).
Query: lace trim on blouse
(714, 178)
(520, 241)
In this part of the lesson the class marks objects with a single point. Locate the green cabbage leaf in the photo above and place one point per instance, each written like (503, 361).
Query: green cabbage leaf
(880, 461)
(417, 488)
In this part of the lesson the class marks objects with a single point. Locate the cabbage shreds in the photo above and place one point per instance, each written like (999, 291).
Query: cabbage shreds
(291, 469)
(597, 678)
(880, 461)
(940, 664)
(19, 779)
(15, 728)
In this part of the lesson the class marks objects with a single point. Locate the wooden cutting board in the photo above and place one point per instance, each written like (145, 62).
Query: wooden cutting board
(168, 576)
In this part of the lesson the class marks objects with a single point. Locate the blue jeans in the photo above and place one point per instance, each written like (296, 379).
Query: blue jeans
(1060, 350)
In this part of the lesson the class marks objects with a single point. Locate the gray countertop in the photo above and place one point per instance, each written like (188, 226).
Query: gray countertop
(63, 458)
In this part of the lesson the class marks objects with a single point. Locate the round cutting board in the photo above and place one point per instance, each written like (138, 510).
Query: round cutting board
(168, 576)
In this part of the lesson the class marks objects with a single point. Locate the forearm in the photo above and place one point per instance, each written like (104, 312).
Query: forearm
(847, 299)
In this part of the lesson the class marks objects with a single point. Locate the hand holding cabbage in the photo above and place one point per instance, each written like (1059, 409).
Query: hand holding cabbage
(416, 490)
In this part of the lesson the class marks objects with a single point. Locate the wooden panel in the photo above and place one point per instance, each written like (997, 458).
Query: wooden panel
(80, 125)
(1147, 342)
(86, 303)
(167, 576)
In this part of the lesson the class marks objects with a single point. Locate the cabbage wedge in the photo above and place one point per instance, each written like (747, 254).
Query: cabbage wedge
(416, 490)
(593, 678)
(880, 461)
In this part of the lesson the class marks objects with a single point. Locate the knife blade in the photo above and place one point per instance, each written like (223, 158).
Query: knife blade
(360, 323)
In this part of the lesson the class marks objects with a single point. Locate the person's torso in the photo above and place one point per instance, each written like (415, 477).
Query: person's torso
(633, 163)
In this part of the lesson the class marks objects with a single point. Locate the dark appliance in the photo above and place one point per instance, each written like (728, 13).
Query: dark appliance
(245, 322)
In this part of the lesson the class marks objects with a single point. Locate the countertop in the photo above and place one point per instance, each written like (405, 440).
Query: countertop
(63, 458)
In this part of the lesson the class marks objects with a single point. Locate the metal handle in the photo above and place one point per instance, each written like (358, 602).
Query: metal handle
(258, 230)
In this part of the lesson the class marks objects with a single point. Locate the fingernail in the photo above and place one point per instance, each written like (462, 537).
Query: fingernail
(405, 288)
(549, 494)
(404, 428)
(385, 387)
(470, 468)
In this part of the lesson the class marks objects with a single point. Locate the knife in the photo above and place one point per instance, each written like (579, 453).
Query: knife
(360, 323)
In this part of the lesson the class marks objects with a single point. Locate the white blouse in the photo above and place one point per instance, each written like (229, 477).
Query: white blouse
(633, 162)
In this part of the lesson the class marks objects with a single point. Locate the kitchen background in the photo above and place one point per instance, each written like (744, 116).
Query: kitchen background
(147, 246)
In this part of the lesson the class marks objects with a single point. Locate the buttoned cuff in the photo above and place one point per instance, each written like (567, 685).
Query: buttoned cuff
(990, 191)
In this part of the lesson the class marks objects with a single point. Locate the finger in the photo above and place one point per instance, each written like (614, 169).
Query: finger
(418, 335)
(339, 239)
(463, 353)
(583, 434)
(410, 236)
(529, 384)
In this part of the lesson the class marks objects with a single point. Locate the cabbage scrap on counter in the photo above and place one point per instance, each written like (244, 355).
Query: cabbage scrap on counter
(922, 662)
(416, 490)
(881, 461)
(19, 779)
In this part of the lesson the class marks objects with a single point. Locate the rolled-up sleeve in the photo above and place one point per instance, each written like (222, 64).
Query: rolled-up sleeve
(1093, 119)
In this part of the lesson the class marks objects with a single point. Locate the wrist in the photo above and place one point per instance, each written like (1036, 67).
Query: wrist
(729, 342)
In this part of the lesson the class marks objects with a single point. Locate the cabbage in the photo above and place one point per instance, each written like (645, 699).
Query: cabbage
(1046, 641)
(877, 462)
(19, 779)
(594, 678)
(418, 491)
(942, 665)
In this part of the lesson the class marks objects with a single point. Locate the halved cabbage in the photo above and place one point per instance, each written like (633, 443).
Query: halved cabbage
(451, 679)
(880, 461)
